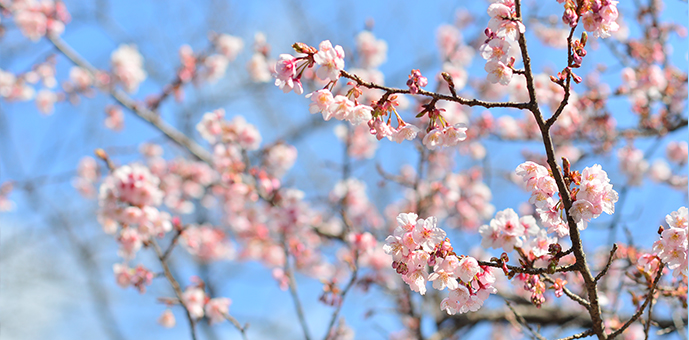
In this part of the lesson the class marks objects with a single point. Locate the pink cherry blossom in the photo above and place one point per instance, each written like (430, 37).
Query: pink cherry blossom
(45, 100)
(216, 309)
(127, 67)
(167, 319)
(434, 139)
(405, 131)
(229, 46)
(371, 50)
(330, 59)
(498, 72)
(426, 234)
(380, 129)
(320, 102)
(444, 273)
(286, 74)
(359, 114)
(341, 108)
(467, 269)
(194, 299)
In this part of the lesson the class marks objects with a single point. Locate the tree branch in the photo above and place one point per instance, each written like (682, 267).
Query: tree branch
(175, 286)
(141, 111)
(434, 95)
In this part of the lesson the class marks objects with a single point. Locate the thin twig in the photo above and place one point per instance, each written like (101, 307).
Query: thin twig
(570, 294)
(352, 280)
(173, 242)
(641, 310)
(523, 322)
(175, 286)
(292, 283)
(583, 334)
(531, 271)
(607, 265)
(434, 95)
(240, 328)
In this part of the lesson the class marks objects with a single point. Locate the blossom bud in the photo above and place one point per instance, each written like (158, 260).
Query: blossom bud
(304, 48)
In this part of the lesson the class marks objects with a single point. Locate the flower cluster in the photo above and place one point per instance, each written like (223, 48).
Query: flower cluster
(445, 136)
(138, 277)
(672, 246)
(595, 196)
(215, 129)
(129, 197)
(372, 51)
(127, 67)
(36, 19)
(599, 17)
(290, 69)
(416, 243)
(543, 190)
(339, 107)
(508, 231)
(87, 176)
(499, 49)
(207, 243)
(416, 81)
(200, 305)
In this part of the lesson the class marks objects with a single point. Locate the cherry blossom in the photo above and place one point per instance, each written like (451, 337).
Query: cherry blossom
(330, 59)
(167, 319)
(127, 67)
(194, 299)
(216, 309)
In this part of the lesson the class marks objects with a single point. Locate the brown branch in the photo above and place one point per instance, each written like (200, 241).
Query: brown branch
(583, 334)
(607, 265)
(546, 316)
(531, 271)
(434, 95)
(568, 82)
(592, 290)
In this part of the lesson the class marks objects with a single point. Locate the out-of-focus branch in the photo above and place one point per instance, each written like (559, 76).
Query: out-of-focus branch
(86, 259)
(638, 313)
(523, 322)
(350, 284)
(175, 286)
(292, 283)
(237, 325)
(544, 316)
(140, 110)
